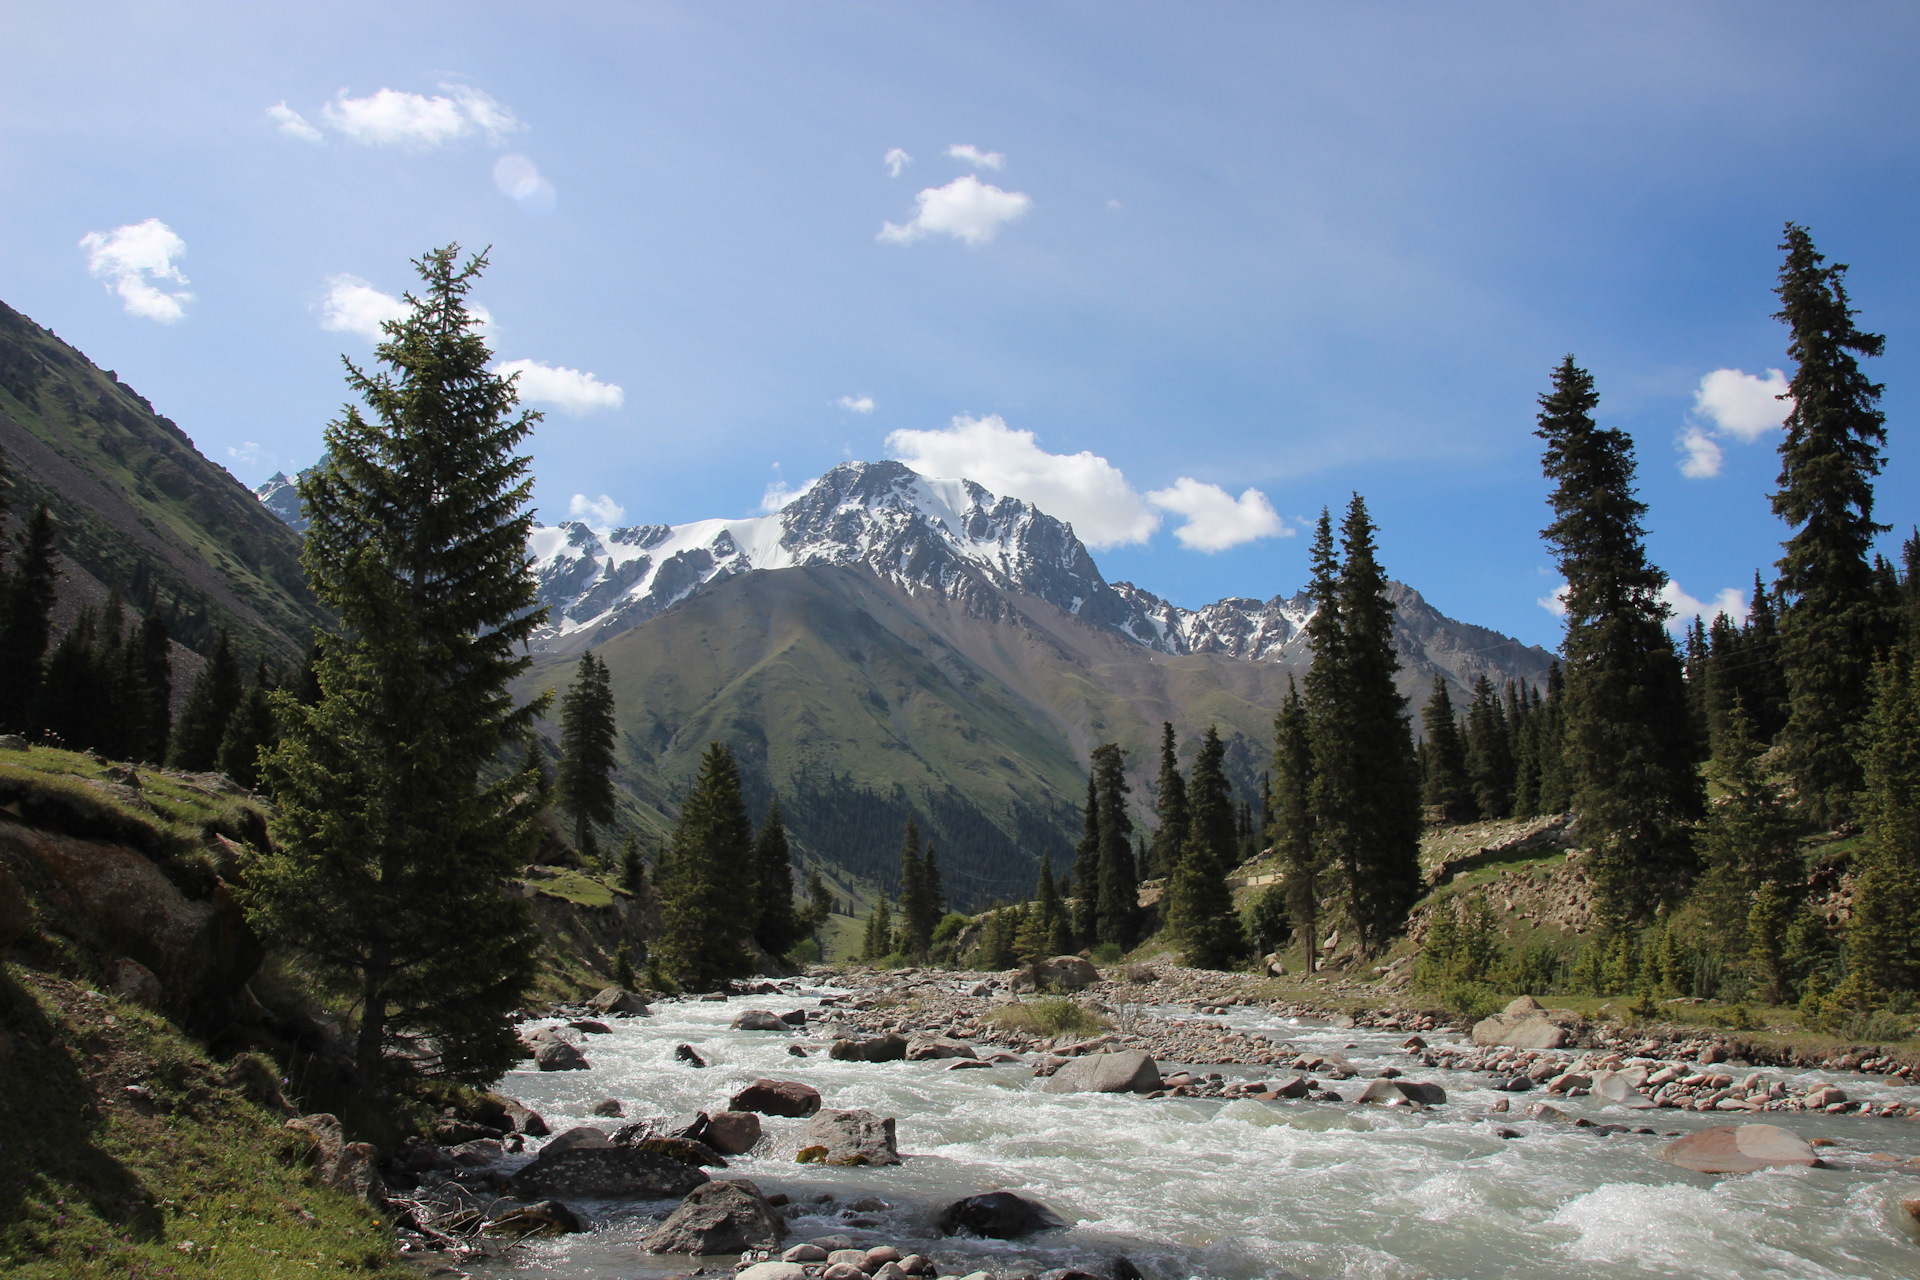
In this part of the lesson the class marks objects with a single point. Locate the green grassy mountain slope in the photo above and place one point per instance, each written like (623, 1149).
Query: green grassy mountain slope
(139, 508)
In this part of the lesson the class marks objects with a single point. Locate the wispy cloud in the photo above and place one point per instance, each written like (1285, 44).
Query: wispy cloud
(414, 121)
(976, 157)
(1730, 404)
(1215, 519)
(896, 161)
(572, 391)
(249, 453)
(966, 209)
(520, 178)
(601, 511)
(856, 404)
(133, 260)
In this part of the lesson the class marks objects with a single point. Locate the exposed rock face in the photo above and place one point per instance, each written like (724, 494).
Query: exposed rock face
(202, 953)
(887, 1048)
(855, 1137)
(720, 1217)
(777, 1098)
(609, 1172)
(1739, 1149)
(998, 1215)
(1128, 1071)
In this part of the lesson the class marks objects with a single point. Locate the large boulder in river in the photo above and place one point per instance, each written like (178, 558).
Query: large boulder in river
(1619, 1089)
(729, 1216)
(605, 1173)
(927, 1047)
(997, 1215)
(1524, 1024)
(1127, 1071)
(1065, 973)
(1739, 1149)
(558, 1055)
(619, 1000)
(733, 1133)
(855, 1137)
(1395, 1093)
(887, 1048)
(777, 1098)
(760, 1020)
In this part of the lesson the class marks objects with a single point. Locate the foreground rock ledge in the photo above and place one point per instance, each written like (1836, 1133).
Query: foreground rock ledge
(1739, 1149)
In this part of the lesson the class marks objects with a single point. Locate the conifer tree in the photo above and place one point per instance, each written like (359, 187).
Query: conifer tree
(1749, 842)
(215, 693)
(1628, 740)
(1556, 776)
(780, 927)
(1883, 935)
(710, 903)
(1048, 909)
(936, 886)
(1834, 621)
(26, 621)
(1117, 900)
(633, 868)
(1199, 905)
(1291, 828)
(250, 730)
(587, 737)
(919, 908)
(392, 856)
(1489, 753)
(149, 678)
(1086, 869)
(1445, 786)
(878, 944)
(1170, 806)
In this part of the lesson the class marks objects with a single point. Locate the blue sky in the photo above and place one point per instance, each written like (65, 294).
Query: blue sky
(1295, 249)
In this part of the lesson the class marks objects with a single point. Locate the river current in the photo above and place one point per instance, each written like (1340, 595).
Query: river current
(1237, 1189)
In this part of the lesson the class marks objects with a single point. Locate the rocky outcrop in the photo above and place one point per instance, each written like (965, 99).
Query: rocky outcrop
(856, 1137)
(727, 1216)
(1127, 1071)
(352, 1167)
(997, 1215)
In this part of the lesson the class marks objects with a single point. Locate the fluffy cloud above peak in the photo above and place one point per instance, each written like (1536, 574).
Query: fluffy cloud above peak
(1083, 489)
(602, 511)
(133, 260)
(976, 157)
(1730, 404)
(572, 391)
(966, 209)
(414, 121)
(1215, 519)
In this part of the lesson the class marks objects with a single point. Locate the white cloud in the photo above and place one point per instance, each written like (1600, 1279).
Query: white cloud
(1215, 519)
(1703, 454)
(1739, 404)
(391, 118)
(1729, 601)
(896, 160)
(966, 208)
(131, 259)
(1083, 489)
(292, 123)
(1555, 604)
(601, 510)
(354, 306)
(1114, 206)
(520, 178)
(857, 404)
(249, 453)
(571, 391)
(779, 494)
(976, 157)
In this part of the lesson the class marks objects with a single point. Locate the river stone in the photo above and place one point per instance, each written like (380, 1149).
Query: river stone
(1739, 1149)
(558, 1055)
(997, 1215)
(887, 1048)
(687, 1054)
(760, 1020)
(777, 1098)
(1294, 1086)
(720, 1217)
(1392, 1093)
(584, 1136)
(1522, 1030)
(1423, 1091)
(1127, 1071)
(1068, 973)
(804, 1253)
(606, 1173)
(733, 1133)
(542, 1218)
(521, 1118)
(1617, 1087)
(925, 1048)
(685, 1150)
(855, 1137)
(772, 1271)
(618, 1000)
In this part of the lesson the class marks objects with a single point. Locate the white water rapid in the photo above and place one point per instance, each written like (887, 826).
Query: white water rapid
(1242, 1189)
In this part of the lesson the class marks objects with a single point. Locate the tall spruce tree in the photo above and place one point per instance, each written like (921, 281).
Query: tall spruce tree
(587, 737)
(1556, 774)
(1628, 740)
(1834, 621)
(780, 926)
(251, 729)
(1445, 786)
(72, 704)
(1117, 901)
(216, 691)
(1170, 806)
(1489, 752)
(919, 906)
(1199, 905)
(391, 853)
(1086, 869)
(1291, 825)
(710, 896)
(26, 621)
(1749, 848)
(149, 661)
(1883, 935)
